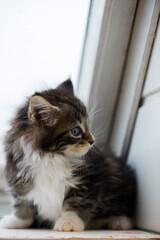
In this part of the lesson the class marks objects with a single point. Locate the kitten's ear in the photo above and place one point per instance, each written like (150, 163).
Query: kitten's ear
(66, 86)
(42, 112)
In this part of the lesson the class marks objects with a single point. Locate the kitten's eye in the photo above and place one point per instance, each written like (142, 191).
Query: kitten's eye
(76, 131)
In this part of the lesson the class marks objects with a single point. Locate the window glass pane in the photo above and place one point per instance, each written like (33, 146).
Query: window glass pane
(40, 46)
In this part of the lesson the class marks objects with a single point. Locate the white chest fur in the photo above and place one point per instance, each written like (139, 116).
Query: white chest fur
(52, 178)
(50, 184)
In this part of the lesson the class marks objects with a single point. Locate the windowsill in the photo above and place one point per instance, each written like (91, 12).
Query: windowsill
(99, 235)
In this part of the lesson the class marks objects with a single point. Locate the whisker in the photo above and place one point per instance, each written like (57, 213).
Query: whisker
(100, 131)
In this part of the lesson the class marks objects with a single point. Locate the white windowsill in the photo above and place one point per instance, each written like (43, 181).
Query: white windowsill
(49, 234)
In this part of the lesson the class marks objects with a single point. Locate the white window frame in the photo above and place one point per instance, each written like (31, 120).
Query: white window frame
(125, 28)
(108, 36)
(134, 75)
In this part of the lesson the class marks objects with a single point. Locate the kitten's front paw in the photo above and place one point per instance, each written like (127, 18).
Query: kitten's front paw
(13, 222)
(69, 222)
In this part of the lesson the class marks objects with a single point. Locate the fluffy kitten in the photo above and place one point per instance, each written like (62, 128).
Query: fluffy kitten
(56, 178)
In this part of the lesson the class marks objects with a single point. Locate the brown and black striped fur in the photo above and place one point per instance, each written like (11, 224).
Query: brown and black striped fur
(106, 186)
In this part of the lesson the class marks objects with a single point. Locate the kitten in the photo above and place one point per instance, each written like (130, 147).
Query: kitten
(57, 177)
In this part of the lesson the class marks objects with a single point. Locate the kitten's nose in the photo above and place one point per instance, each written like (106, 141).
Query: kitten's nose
(91, 142)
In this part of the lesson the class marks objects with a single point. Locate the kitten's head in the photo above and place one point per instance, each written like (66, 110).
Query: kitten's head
(59, 121)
